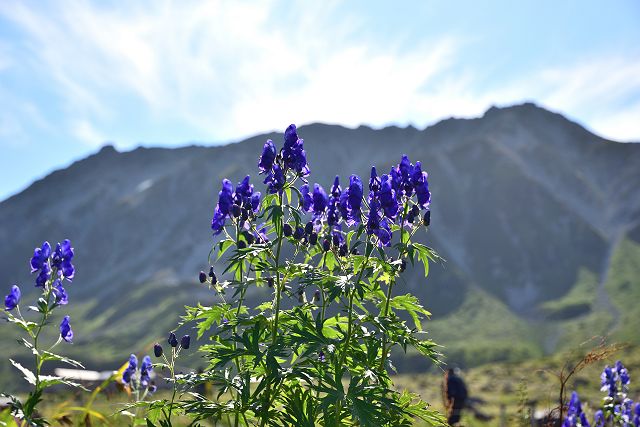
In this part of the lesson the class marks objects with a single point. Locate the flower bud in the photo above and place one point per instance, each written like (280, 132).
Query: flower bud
(236, 211)
(242, 244)
(173, 341)
(249, 238)
(336, 240)
(244, 215)
(185, 341)
(212, 274)
(415, 210)
(403, 265)
(270, 282)
(326, 245)
(426, 220)
(287, 230)
(202, 277)
(298, 233)
(157, 350)
(321, 357)
(316, 296)
(308, 228)
(313, 238)
(343, 250)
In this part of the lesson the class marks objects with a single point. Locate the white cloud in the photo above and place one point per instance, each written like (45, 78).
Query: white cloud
(230, 69)
(87, 134)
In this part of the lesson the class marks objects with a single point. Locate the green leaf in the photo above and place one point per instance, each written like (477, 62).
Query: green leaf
(411, 305)
(28, 375)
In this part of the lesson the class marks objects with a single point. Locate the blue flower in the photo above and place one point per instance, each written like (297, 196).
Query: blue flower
(374, 182)
(223, 208)
(320, 201)
(40, 256)
(336, 190)
(131, 369)
(43, 276)
(157, 350)
(378, 226)
(61, 259)
(623, 373)
(608, 380)
(13, 299)
(255, 201)
(145, 371)
(307, 200)
(351, 201)
(275, 180)
(65, 330)
(387, 197)
(59, 293)
(293, 153)
(268, 156)
(421, 185)
(598, 419)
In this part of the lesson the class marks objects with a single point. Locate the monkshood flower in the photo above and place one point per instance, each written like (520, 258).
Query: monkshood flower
(623, 374)
(575, 416)
(351, 201)
(43, 275)
(40, 257)
(598, 419)
(421, 186)
(11, 301)
(608, 381)
(145, 371)
(275, 180)
(387, 197)
(61, 259)
(636, 415)
(293, 153)
(59, 293)
(223, 208)
(172, 340)
(378, 226)
(374, 182)
(320, 201)
(128, 373)
(333, 211)
(245, 197)
(307, 199)
(65, 330)
(268, 157)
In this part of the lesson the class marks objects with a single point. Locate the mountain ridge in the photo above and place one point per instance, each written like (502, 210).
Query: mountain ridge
(526, 204)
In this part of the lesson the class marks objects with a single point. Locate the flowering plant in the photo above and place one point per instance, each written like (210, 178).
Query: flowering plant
(617, 408)
(316, 350)
(53, 268)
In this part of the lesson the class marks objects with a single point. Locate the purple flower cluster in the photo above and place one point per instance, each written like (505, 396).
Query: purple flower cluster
(239, 204)
(136, 378)
(614, 379)
(575, 416)
(12, 300)
(292, 157)
(44, 262)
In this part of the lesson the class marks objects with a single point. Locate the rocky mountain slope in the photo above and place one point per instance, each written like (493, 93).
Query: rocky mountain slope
(538, 219)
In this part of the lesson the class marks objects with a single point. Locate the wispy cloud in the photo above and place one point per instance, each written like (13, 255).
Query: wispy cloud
(229, 69)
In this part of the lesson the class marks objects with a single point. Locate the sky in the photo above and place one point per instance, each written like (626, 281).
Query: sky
(76, 75)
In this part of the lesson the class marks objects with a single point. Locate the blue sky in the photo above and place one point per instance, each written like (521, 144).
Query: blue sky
(76, 74)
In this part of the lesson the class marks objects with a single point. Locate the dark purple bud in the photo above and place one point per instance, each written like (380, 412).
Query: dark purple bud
(152, 388)
(415, 210)
(308, 228)
(270, 282)
(326, 245)
(336, 240)
(202, 277)
(173, 341)
(298, 233)
(185, 342)
(244, 214)
(287, 230)
(313, 238)
(343, 250)
(403, 266)
(316, 297)
(242, 244)
(249, 238)
(157, 350)
(212, 274)
(426, 220)
(236, 211)
(321, 357)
